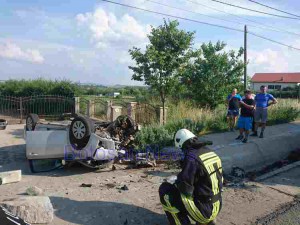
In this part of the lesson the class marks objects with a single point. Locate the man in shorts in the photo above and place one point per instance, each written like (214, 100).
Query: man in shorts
(246, 118)
(261, 112)
(233, 108)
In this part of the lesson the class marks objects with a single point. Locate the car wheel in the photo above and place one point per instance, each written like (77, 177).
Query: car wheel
(80, 132)
(3, 124)
(31, 122)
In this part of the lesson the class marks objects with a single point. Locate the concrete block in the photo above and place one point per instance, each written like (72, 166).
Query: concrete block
(10, 177)
(33, 209)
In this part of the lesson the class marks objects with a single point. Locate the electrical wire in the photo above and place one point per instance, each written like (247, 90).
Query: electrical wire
(273, 8)
(269, 27)
(253, 10)
(185, 10)
(197, 21)
(277, 42)
(177, 17)
(236, 22)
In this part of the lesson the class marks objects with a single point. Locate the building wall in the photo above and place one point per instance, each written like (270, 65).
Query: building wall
(256, 86)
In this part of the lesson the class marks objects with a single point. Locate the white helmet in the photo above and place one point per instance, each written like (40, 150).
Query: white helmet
(182, 136)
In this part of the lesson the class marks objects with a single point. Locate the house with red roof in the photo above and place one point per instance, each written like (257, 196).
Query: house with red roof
(275, 81)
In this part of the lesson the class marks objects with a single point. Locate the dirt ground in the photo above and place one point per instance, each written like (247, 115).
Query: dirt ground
(104, 203)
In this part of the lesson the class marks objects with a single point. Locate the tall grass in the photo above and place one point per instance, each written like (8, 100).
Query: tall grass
(204, 120)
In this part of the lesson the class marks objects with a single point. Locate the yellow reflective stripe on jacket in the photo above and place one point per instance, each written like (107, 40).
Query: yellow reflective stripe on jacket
(208, 159)
(207, 155)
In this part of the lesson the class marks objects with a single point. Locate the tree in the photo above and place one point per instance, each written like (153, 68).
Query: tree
(167, 54)
(213, 74)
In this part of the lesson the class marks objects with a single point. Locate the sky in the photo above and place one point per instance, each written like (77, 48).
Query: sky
(88, 41)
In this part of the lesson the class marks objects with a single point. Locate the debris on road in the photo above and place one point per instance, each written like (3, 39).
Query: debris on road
(123, 188)
(34, 191)
(110, 185)
(86, 185)
(33, 209)
(10, 177)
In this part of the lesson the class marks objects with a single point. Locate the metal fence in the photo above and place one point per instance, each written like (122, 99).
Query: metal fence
(146, 114)
(15, 109)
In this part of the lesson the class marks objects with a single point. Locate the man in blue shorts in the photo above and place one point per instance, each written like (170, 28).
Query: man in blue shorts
(261, 111)
(245, 120)
(233, 108)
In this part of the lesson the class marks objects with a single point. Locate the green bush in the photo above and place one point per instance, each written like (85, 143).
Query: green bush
(21, 88)
(282, 115)
(203, 121)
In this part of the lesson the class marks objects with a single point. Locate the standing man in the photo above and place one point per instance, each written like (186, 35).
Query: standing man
(196, 194)
(253, 121)
(233, 108)
(246, 117)
(261, 112)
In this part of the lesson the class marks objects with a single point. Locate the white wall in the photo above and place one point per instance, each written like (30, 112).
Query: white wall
(256, 86)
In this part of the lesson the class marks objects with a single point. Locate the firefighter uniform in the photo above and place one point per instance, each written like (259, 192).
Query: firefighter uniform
(196, 194)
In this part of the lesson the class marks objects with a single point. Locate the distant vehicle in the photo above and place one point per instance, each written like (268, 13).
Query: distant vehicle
(114, 94)
(89, 142)
(3, 124)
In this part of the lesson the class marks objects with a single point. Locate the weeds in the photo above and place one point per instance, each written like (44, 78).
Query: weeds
(204, 120)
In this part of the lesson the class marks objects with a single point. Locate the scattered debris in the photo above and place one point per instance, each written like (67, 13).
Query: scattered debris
(34, 191)
(10, 177)
(294, 155)
(123, 188)
(86, 185)
(238, 172)
(33, 209)
(110, 185)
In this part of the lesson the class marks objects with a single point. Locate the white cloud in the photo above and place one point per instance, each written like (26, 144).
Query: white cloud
(106, 29)
(10, 50)
(269, 60)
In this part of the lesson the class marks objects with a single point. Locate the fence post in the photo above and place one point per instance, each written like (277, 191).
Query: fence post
(77, 105)
(21, 110)
(108, 111)
(131, 108)
(115, 112)
(91, 108)
(162, 120)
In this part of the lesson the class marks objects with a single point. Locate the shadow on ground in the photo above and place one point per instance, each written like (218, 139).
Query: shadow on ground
(17, 133)
(108, 213)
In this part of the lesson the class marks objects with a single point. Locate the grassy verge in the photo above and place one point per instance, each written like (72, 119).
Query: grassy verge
(203, 121)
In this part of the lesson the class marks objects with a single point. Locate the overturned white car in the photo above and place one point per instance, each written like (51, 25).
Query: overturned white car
(92, 143)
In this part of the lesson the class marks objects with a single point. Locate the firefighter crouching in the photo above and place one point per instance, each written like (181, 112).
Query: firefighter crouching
(196, 194)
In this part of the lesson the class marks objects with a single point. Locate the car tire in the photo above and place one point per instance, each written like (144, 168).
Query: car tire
(80, 131)
(31, 122)
(3, 124)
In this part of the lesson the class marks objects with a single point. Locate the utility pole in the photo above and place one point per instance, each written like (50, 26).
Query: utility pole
(245, 57)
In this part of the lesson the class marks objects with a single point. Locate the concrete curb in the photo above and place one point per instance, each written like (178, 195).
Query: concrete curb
(258, 152)
(278, 171)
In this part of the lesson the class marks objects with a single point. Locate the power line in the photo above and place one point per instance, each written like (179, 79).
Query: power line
(185, 10)
(197, 21)
(237, 22)
(269, 27)
(253, 10)
(177, 17)
(273, 8)
(277, 42)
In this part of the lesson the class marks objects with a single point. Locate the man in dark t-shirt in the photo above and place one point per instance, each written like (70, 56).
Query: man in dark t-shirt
(233, 108)
(246, 118)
